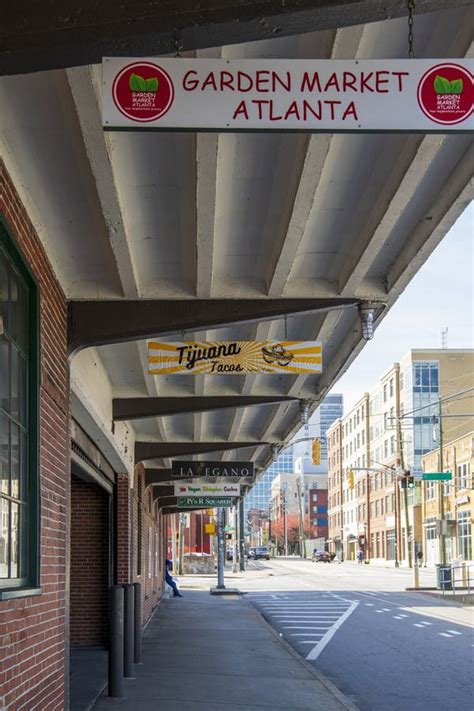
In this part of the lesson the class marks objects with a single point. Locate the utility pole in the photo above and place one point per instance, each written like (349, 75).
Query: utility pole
(405, 494)
(441, 490)
(241, 534)
(285, 523)
(220, 548)
(182, 518)
(301, 520)
(234, 539)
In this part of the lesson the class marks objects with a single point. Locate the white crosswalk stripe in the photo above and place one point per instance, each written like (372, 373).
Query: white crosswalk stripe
(306, 618)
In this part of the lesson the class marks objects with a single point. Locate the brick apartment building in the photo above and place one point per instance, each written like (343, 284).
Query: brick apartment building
(366, 503)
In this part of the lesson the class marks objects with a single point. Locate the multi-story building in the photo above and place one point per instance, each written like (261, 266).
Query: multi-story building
(400, 426)
(259, 496)
(451, 526)
(335, 487)
(312, 489)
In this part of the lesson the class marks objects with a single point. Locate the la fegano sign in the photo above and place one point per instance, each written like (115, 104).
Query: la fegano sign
(426, 95)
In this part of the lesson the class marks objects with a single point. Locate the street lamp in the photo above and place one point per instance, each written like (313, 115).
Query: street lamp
(366, 313)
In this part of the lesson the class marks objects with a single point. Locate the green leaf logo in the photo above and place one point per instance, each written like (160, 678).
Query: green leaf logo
(444, 86)
(137, 83)
(152, 84)
(456, 86)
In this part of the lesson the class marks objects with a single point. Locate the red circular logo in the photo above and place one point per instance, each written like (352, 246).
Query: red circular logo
(446, 94)
(143, 91)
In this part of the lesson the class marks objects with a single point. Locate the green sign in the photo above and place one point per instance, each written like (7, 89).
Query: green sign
(437, 476)
(207, 502)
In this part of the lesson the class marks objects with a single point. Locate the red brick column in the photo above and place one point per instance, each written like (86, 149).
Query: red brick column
(123, 529)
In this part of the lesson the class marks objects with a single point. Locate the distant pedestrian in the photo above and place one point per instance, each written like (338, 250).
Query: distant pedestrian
(360, 556)
(333, 555)
(419, 557)
(169, 579)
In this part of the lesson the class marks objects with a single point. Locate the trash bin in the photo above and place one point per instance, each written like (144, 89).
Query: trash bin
(444, 577)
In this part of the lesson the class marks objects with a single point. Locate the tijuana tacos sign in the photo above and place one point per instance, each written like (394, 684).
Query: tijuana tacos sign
(234, 357)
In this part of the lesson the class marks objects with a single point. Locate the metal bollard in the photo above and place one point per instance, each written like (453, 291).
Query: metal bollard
(128, 631)
(137, 647)
(116, 641)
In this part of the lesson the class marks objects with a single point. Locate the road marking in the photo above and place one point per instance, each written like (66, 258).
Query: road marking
(415, 624)
(305, 627)
(397, 617)
(454, 632)
(316, 651)
(403, 615)
(369, 604)
(381, 611)
(386, 609)
(302, 634)
(444, 634)
(424, 622)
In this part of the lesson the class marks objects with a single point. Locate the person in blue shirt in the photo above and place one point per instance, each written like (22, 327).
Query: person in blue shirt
(169, 579)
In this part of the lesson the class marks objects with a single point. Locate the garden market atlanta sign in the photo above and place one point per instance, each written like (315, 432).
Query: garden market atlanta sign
(426, 95)
(234, 357)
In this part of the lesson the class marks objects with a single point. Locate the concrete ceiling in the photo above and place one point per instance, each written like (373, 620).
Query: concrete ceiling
(163, 215)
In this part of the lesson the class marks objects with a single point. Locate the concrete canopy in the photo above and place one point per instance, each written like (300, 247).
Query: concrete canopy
(183, 216)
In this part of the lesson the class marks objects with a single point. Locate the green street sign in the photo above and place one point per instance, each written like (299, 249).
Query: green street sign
(437, 476)
(207, 502)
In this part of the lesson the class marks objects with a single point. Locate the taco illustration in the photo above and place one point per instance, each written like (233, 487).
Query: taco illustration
(277, 354)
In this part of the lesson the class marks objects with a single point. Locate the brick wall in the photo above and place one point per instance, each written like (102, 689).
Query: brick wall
(89, 557)
(32, 629)
(151, 576)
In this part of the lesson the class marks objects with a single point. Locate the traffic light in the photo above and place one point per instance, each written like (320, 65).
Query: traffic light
(316, 451)
(408, 482)
(350, 479)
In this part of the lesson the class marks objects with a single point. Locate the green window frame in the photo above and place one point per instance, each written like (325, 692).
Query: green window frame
(19, 423)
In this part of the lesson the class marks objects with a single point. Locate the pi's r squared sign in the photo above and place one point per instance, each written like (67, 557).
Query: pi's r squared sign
(426, 95)
(231, 470)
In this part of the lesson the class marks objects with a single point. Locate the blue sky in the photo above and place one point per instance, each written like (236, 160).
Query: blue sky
(441, 294)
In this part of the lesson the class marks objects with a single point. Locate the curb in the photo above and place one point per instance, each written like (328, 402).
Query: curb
(330, 686)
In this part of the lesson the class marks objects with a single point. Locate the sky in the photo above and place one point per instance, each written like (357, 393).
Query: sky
(441, 294)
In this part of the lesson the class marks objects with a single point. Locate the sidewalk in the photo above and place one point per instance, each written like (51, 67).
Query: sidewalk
(217, 654)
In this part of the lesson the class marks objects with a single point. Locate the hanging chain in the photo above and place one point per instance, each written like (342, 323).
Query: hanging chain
(177, 45)
(411, 7)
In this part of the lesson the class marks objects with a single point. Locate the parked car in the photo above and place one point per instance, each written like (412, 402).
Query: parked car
(262, 552)
(321, 557)
(251, 553)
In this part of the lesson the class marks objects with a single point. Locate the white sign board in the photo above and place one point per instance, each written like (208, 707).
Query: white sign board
(183, 489)
(427, 95)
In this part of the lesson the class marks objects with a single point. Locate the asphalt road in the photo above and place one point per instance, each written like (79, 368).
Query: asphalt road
(386, 649)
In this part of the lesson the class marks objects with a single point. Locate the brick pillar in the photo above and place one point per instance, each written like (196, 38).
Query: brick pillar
(123, 528)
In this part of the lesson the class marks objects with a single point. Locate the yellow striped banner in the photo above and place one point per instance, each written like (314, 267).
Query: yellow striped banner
(234, 357)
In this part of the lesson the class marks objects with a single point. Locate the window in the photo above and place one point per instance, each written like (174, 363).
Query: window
(19, 351)
(387, 505)
(391, 387)
(377, 509)
(464, 534)
(463, 476)
(430, 491)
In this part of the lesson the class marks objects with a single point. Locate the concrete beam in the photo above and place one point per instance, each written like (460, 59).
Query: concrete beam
(160, 450)
(72, 34)
(157, 476)
(137, 408)
(98, 323)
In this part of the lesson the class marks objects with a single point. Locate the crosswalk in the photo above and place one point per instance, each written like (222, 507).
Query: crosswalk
(307, 620)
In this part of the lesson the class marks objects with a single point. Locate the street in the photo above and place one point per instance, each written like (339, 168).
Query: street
(385, 648)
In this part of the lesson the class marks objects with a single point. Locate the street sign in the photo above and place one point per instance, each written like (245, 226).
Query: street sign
(437, 476)
(190, 489)
(234, 357)
(190, 469)
(189, 502)
(427, 95)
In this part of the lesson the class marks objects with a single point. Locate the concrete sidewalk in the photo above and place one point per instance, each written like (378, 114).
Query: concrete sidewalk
(216, 653)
